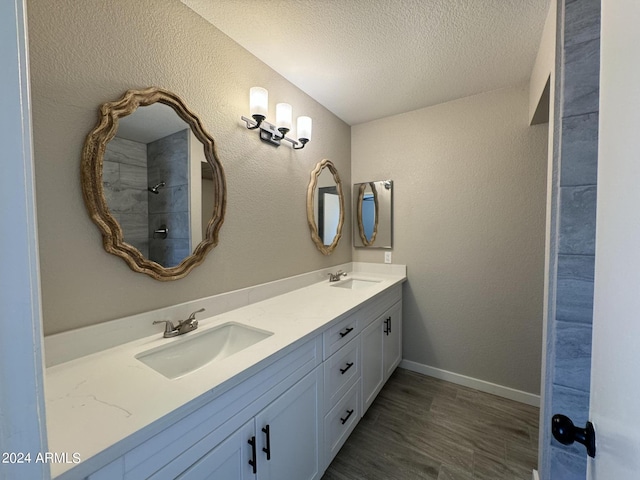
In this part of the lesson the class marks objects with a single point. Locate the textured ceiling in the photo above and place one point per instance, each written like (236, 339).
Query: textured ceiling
(367, 59)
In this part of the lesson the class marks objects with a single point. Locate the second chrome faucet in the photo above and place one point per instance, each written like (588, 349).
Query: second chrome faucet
(183, 326)
(334, 277)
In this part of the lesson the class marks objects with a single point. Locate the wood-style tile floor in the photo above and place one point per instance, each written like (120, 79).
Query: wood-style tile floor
(423, 428)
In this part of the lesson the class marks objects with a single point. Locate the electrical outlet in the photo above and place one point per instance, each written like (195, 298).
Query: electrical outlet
(387, 257)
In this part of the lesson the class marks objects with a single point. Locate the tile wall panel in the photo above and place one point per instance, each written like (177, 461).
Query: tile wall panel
(580, 148)
(569, 332)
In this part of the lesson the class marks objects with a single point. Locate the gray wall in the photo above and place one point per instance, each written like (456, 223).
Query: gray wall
(469, 221)
(568, 363)
(85, 53)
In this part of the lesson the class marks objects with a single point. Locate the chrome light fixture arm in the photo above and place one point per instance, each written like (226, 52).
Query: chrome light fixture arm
(270, 134)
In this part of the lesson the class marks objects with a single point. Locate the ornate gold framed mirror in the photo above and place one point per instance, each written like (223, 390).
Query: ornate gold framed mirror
(325, 207)
(153, 184)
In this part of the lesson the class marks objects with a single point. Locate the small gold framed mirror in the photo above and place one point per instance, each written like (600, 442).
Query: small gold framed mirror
(325, 207)
(153, 184)
(373, 214)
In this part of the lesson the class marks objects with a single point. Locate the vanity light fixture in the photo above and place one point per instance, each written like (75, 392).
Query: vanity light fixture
(274, 134)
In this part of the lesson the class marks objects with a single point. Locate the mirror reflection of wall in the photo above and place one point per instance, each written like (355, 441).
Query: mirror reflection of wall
(369, 216)
(373, 214)
(207, 198)
(155, 184)
(325, 207)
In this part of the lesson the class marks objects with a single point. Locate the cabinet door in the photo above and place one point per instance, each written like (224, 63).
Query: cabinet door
(372, 372)
(228, 461)
(392, 339)
(289, 430)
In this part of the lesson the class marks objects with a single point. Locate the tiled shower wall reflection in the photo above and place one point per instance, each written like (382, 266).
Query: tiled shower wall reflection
(129, 168)
(168, 161)
(569, 333)
(125, 187)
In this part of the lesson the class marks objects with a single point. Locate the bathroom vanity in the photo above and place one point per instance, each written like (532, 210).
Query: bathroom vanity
(280, 405)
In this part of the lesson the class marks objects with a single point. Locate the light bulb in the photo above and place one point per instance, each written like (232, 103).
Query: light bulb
(283, 116)
(304, 128)
(258, 102)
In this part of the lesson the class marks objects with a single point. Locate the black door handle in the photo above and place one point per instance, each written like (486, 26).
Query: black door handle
(253, 462)
(267, 449)
(566, 433)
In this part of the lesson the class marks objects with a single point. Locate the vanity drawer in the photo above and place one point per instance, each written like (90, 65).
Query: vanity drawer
(341, 371)
(371, 310)
(340, 422)
(340, 334)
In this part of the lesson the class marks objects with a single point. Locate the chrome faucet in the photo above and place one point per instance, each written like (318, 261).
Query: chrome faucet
(335, 277)
(183, 326)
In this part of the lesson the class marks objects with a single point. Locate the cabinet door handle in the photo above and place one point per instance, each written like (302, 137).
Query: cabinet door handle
(346, 332)
(344, 370)
(387, 326)
(267, 449)
(253, 461)
(344, 420)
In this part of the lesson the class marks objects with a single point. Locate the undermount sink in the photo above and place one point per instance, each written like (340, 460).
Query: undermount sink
(187, 354)
(355, 283)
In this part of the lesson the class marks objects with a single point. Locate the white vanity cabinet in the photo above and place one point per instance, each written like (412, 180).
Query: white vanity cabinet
(286, 418)
(381, 352)
(282, 441)
(355, 370)
(285, 398)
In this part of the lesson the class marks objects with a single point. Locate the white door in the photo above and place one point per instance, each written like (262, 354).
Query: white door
(288, 433)
(392, 339)
(22, 421)
(372, 369)
(615, 371)
(227, 461)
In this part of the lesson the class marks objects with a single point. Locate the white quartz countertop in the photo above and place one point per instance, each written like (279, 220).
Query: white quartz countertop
(99, 400)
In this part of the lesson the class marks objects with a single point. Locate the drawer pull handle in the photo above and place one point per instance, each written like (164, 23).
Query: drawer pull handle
(344, 420)
(346, 332)
(253, 462)
(267, 449)
(344, 370)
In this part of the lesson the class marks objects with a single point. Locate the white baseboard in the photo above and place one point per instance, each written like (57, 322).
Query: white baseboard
(483, 386)
(535, 475)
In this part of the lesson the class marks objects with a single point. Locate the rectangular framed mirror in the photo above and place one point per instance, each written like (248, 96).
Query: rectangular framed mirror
(373, 214)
